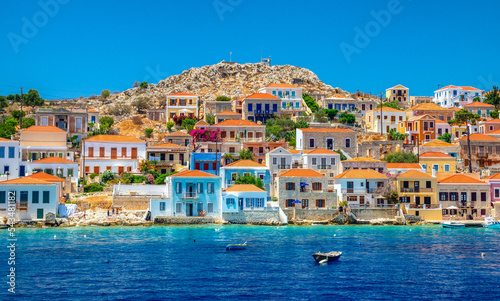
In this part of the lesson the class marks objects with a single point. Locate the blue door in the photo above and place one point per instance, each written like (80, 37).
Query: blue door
(267, 107)
(275, 108)
(21, 171)
(259, 107)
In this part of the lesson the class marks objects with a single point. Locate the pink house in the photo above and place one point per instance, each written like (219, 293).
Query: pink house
(494, 181)
(490, 125)
(442, 127)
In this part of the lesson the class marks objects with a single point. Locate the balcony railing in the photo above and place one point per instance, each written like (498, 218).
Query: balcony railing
(264, 112)
(189, 195)
(423, 206)
(323, 166)
(305, 189)
(22, 205)
(356, 190)
(284, 166)
(482, 154)
(416, 189)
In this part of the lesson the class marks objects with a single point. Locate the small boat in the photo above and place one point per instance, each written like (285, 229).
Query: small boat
(451, 224)
(491, 223)
(326, 257)
(236, 246)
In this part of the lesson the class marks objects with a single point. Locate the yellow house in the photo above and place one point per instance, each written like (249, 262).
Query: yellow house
(439, 162)
(399, 93)
(181, 104)
(418, 194)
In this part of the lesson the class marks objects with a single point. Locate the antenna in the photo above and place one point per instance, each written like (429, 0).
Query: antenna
(230, 53)
(261, 52)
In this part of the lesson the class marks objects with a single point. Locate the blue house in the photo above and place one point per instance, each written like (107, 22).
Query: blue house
(230, 172)
(190, 193)
(207, 162)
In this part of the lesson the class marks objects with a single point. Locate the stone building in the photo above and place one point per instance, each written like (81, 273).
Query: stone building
(307, 186)
(156, 114)
(365, 163)
(480, 108)
(169, 156)
(331, 139)
(226, 115)
(72, 121)
(431, 109)
(260, 107)
(379, 149)
(485, 150)
(179, 138)
(440, 146)
(214, 107)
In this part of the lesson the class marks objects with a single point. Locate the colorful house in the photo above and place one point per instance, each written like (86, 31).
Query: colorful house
(485, 150)
(230, 173)
(440, 146)
(241, 197)
(399, 93)
(419, 128)
(456, 96)
(168, 156)
(395, 169)
(59, 167)
(290, 95)
(181, 104)
(206, 162)
(390, 119)
(480, 108)
(9, 160)
(432, 109)
(38, 142)
(418, 194)
(438, 162)
(260, 107)
(494, 181)
(361, 187)
(329, 138)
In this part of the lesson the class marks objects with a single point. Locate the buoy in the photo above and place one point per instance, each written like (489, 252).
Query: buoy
(55, 237)
(482, 254)
(85, 236)
(334, 234)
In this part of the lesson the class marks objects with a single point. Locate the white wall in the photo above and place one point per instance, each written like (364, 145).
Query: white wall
(31, 213)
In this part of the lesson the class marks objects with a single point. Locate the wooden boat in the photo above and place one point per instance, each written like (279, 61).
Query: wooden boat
(451, 224)
(326, 257)
(236, 246)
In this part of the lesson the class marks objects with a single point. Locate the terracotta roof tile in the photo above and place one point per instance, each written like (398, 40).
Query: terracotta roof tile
(178, 133)
(167, 145)
(479, 137)
(493, 177)
(412, 173)
(323, 151)
(227, 112)
(54, 160)
(387, 109)
(434, 155)
(6, 140)
(45, 177)
(326, 130)
(236, 123)
(193, 174)
(438, 143)
(244, 187)
(43, 129)
(428, 107)
(281, 86)
(245, 163)
(460, 179)
(113, 138)
(181, 94)
(302, 173)
(26, 181)
(404, 166)
(363, 159)
(360, 174)
(202, 123)
(263, 96)
(479, 104)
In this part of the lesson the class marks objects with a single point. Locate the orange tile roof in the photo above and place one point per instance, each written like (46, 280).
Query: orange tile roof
(495, 132)
(202, 123)
(54, 160)
(434, 155)
(413, 173)
(6, 140)
(236, 123)
(492, 120)
(323, 151)
(387, 109)
(167, 145)
(404, 166)
(441, 121)
(454, 109)
(43, 129)
(26, 181)
(263, 96)
(493, 177)
(302, 173)
(281, 86)
(438, 143)
(360, 174)
(418, 117)
(244, 187)
(428, 107)
(245, 163)
(479, 137)
(448, 87)
(113, 138)
(181, 94)
(193, 174)
(227, 112)
(178, 133)
(467, 88)
(460, 179)
(326, 130)
(363, 159)
(45, 177)
(93, 111)
(479, 104)
(295, 151)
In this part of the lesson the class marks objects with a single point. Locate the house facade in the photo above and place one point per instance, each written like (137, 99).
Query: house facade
(419, 129)
(38, 142)
(290, 95)
(331, 139)
(181, 104)
(168, 156)
(485, 150)
(231, 172)
(72, 121)
(206, 162)
(117, 153)
(361, 187)
(180, 138)
(456, 96)
(324, 161)
(259, 107)
(242, 197)
(431, 109)
(9, 159)
(398, 93)
(365, 163)
(418, 194)
(60, 167)
(480, 108)
(437, 162)
(390, 119)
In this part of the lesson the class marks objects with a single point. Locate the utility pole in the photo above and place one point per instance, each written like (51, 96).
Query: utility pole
(418, 151)
(83, 164)
(468, 146)
(21, 121)
(381, 114)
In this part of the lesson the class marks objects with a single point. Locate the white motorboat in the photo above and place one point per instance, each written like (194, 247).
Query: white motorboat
(490, 222)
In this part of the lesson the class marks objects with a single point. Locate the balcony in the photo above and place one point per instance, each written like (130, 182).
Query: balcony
(264, 112)
(416, 189)
(305, 189)
(323, 166)
(22, 205)
(423, 206)
(284, 166)
(189, 195)
(482, 154)
(357, 190)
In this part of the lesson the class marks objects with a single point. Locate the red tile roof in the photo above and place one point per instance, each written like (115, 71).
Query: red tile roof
(493, 177)
(434, 155)
(178, 133)
(45, 177)
(167, 145)
(245, 163)
(404, 166)
(227, 112)
(54, 160)
(460, 179)
(236, 123)
(25, 181)
(412, 173)
(263, 96)
(479, 104)
(479, 137)
(6, 140)
(181, 94)
(244, 187)
(323, 151)
(43, 129)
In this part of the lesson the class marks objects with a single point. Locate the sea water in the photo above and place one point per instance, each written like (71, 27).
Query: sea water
(191, 263)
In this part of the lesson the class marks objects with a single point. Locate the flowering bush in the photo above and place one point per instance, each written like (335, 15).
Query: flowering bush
(150, 179)
(178, 119)
(205, 135)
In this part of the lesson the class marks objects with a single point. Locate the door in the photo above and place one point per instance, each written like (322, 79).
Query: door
(189, 209)
(134, 153)
(329, 143)
(417, 200)
(427, 200)
(101, 152)
(283, 163)
(114, 153)
(416, 186)
(39, 213)
(190, 190)
(323, 163)
(120, 169)
(240, 203)
(22, 171)
(181, 158)
(367, 187)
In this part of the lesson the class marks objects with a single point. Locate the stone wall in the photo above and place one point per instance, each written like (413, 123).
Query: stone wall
(129, 202)
(184, 220)
(374, 213)
(253, 217)
(378, 149)
(308, 214)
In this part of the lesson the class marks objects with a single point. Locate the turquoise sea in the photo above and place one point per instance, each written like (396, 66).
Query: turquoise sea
(191, 263)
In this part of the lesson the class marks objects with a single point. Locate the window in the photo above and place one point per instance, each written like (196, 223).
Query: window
(447, 167)
(178, 207)
(162, 206)
(171, 157)
(313, 161)
(443, 196)
(178, 187)
(316, 186)
(210, 187)
(435, 167)
(463, 196)
(260, 202)
(473, 196)
(289, 203)
(24, 196)
(311, 142)
(200, 188)
(229, 202)
(428, 184)
(320, 203)
(290, 186)
(12, 151)
(210, 207)
(46, 197)
(305, 203)
(283, 105)
(453, 196)
(497, 193)
(404, 199)
(2, 152)
(483, 196)
(250, 107)
(2, 197)
(347, 142)
(275, 161)
(35, 197)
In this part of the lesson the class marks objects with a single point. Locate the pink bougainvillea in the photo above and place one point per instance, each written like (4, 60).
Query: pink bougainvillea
(206, 135)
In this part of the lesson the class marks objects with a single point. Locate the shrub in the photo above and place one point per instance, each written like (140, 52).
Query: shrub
(93, 187)
(188, 123)
(347, 118)
(144, 85)
(119, 109)
(93, 175)
(493, 114)
(321, 116)
(107, 176)
(170, 125)
(149, 178)
(137, 120)
(400, 157)
(27, 122)
(310, 102)
(142, 104)
(223, 98)
(148, 132)
(106, 122)
(160, 180)
(210, 118)
(105, 93)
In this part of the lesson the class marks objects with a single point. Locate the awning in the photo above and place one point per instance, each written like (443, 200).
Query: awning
(304, 184)
(452, 207)
(185, 111)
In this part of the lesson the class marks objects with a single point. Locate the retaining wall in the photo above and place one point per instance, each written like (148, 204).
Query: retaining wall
(132, 202)
(184, 220)
(374, 213)
(314, 214)
(270, 217)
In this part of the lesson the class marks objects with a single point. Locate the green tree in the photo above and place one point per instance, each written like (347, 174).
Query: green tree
(390, 104)
(106, 122)
(477, 98)
(148, 132)
(160, 179)
(189, 123)
(33, 99)
(223, 98)
(392, 197)
(246, 154)
(446, 137)
(249, 179)
(275, 131)
(8, 127)
(395, 135)
(321, 116)
(107, 176)
(141, 104)
(17, 114)
(301, 124)
(170, 125)
(144, 85)
(465, 116)
(493, 97)
(494, 114)
(310, 102)
(400, 157)
(331, 113)
(210, 118)
(14, 98)
(342, 156)
(4, 102)
(347, 118)
(27, 122)
(105, 94)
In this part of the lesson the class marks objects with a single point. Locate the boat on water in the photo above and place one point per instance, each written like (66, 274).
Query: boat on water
(491, 223)
(326, 257)
(236, 246)
(452, 224)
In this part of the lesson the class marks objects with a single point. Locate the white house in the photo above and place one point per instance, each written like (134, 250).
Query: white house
(60, 167)
(390, 119)
(360, 187)
(324, 161)
(243, 197)
(291, 97)
(456, 96)
(9, 159)
(113, 152)
(32, 198)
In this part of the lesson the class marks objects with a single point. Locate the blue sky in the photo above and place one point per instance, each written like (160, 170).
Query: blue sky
(78, 48)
